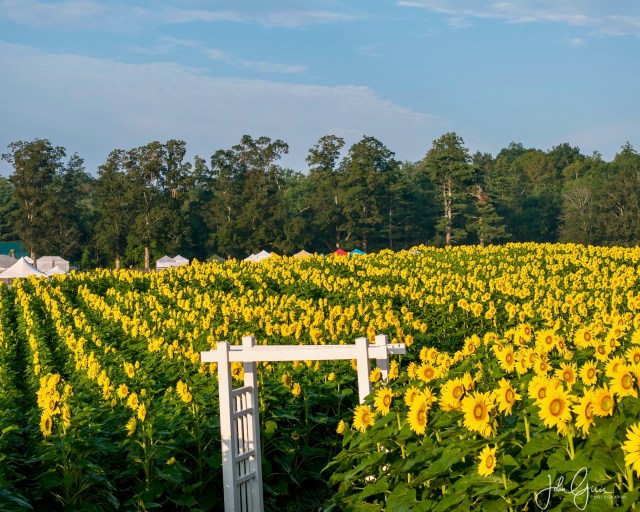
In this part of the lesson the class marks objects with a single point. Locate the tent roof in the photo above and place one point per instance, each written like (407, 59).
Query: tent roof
(302, 254)
(55, 270)
(215, 257)
(21, 269)
(341, 252)
(6, 261)
(51, 258)
(179, 259)
(358, 251)
(251, 257)
(165, 259)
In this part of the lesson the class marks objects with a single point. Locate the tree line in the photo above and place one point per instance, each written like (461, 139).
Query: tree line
(149, 201)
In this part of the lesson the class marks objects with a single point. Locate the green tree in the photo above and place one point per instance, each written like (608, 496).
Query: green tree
(325, 195)
(448, 164)
(8, 210)
(36, 165)
(368, 173)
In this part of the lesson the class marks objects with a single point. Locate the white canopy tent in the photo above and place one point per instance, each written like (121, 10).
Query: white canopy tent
(46, 263)
(54, 271)
(19, 269)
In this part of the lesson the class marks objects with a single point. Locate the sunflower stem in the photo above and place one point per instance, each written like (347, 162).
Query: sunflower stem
(629, 479)
(526, 427)
(571, 449)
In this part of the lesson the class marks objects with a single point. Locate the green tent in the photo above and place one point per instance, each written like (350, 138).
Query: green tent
(215, 258)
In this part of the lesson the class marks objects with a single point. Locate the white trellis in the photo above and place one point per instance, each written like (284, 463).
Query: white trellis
(239, 414)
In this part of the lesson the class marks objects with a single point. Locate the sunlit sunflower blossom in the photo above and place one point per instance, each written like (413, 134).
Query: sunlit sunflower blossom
(131, 426)
(613, 366)
(132, 401)
(506, 358)
(541, 365)
(410, 394)
(426, 372)
(567, 373)
(584, 412)
(603, 401)
(506, 396)
(589, 373)
(363, 417)
(142, 412)
(375, 375)
(555, 409)
(488, 461)
(383, 399)
(538, 387)
(342, 426)
(129, 370)
(286, 380)
(417, 415)
(633, 355)
(451, 394)
(46, 424)
(546, 340)
(394, 370)
(623, 383)
(583, 338)
(476, 408)
(631, 448)
(296, 389)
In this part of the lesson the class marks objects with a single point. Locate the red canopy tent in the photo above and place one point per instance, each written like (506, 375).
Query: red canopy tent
(340, 252)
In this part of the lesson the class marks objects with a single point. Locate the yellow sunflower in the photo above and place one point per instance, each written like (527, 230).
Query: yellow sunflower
(506, 358)
(131, 426)
(363, 417)
(584, 412)
(383, 399)
(603, 401)
(410, 394)
(426, 372)
(506, 396)
(342, 426)
(476, 408)
(451, 394)
(623, 383)
(583, 338)
(555, 408)
(633, 355)
(417, 416)
(589, 373)
(546, 340)
(46, 424)
(631, 448)
(567, 373)
(487, 461)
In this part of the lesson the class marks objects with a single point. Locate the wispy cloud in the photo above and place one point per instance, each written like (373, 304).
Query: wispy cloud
(458, 22)
(107, 105)
(260, 66)
(166, 45)
(610, 18)
(371, 50)
(120, 15)
(575, 42)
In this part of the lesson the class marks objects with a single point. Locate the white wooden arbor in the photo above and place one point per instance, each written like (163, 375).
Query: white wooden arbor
(239, 414)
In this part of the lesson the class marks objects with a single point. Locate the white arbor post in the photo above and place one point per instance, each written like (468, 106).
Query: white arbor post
(239, 414)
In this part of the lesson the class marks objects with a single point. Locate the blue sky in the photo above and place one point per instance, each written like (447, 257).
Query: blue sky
(95, 76)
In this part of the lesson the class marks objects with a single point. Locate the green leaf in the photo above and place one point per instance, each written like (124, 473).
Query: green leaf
(380, 486)
(539, 444)
(401, 499)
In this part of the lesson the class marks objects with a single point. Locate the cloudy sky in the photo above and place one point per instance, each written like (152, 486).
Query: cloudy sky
(94, 76)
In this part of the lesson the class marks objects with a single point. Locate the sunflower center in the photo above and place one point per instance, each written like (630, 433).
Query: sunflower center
(421, 416)
(567, 376)
(509, 396)
(542, 392)
(587, 336)
(591, 373)
(549, 340)
(606, 403)
(479, 412)
(509, 358)
(457, 392)
(588, 411)
(428, 373)
(556, 406)
(601, 350)
(490, 460)
(636, 358)
(627, 381)
(386, 400)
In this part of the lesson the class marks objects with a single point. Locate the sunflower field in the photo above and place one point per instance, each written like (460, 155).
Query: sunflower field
(518, 391)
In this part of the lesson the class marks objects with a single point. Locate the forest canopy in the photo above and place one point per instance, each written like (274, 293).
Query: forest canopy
(148, 201)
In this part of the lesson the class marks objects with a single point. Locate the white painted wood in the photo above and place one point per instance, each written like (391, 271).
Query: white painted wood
(239, 411)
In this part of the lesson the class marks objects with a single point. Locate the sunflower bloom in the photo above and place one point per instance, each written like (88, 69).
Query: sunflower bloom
(131, 426)
(584, 412)
(417, 416)
(363, 417)
(623, 383)
(506, 396)
(375, 375)
(451, 394)
(567, 373)
(555, 408)
(342, 426)
(426, 372)
(487, 461)
(46, 424)
(589, 373)
(476, 408)
(410, 395)
(631, 448)
(603, 402)
(383, 399)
